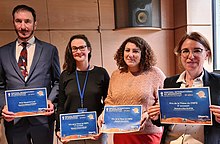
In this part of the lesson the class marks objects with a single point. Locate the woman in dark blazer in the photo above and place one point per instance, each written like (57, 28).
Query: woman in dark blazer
(193, 50)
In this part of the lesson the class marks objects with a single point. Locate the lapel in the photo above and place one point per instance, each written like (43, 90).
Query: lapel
(171, 82)
(12, 56)
(206, 78)
(37, 54)
(177, 84)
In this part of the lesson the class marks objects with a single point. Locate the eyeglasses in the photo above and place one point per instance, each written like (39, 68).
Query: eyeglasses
(196, 52)
(81, 48)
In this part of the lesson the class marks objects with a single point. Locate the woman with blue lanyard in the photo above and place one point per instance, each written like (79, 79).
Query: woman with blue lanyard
(83, 87)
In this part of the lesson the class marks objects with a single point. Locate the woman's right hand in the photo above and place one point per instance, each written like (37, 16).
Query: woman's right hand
(59, 137)
(154, 112)
(7, 115)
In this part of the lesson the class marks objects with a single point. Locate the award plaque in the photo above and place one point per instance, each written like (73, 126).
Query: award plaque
(75, 126)
(122, 118)
(26, 102)
(185, 106)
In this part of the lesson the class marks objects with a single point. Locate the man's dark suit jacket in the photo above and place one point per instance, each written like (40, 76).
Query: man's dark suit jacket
(211, 80)
(44, 72)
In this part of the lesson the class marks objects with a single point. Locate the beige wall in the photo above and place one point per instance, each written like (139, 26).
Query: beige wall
(60, 19)
(193, 15)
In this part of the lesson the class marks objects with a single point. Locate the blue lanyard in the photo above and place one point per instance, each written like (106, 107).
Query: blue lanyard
(81, 93)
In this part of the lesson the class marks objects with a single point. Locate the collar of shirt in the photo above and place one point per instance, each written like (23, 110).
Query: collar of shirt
(198, 82)
(29, 42)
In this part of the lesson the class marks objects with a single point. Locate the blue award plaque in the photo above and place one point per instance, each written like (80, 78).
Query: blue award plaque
(26, 102)
(75, 126)
(122, 118)
(185, 106)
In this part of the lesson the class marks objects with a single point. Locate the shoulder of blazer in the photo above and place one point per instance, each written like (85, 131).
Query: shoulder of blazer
(43, 43)
(170, 82)
(11, 44)
(7, 49)
(210, 77)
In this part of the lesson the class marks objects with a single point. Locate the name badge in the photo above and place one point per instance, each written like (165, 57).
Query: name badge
(80, 110)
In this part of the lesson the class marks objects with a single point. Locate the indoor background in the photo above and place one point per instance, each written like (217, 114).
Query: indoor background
(58, 20)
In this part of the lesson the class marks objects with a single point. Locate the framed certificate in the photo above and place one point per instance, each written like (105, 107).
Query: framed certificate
(26, 102)
(75, 126)
(185, 106)
(122, 118)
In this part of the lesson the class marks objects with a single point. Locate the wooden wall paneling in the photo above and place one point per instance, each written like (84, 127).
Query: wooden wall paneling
(180, 27)
(6, 37)
(73, 14)
(163, 50)
(61, 38)
(167, 14)
(6, 8)
(111, 42)
(180, 13)
(6, 14)
(43, 35)
(107, 14)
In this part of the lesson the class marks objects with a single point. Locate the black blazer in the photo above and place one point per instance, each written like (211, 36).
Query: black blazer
(211, 80)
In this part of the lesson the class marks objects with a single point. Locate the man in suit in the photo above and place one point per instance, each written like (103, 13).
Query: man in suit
(42, 69)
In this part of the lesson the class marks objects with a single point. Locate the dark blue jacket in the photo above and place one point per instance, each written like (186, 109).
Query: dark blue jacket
(44, 72)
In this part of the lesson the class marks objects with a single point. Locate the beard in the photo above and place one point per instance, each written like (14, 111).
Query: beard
(23, 35)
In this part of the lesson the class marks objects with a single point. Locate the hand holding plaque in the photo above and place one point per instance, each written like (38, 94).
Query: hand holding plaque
(122, 119)
(27, 102)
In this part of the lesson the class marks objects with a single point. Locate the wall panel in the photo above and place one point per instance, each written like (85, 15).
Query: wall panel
(6, 37)
(180, 14)
(73, 14)
(167, 14)
(107, 14)
(6, 7)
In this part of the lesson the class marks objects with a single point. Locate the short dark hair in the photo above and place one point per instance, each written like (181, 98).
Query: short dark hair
(70, 62)
(24, 7)
(148, 58)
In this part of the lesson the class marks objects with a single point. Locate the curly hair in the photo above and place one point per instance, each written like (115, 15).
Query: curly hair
(69, 61)
(196, 37)
(147, 60)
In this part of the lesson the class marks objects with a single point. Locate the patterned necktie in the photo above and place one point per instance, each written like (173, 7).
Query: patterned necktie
(22, 61)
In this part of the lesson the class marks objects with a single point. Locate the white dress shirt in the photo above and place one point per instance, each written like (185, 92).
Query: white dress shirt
(30, 50)
(186, 134)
